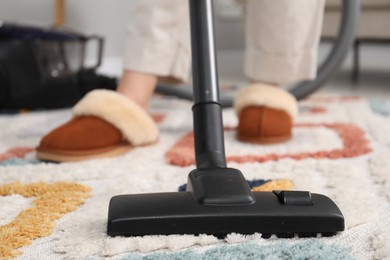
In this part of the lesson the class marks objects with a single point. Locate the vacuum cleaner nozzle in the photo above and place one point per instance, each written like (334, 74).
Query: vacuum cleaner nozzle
(215, 204)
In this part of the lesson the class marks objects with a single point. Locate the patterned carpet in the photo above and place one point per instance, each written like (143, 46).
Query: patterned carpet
(340, 148)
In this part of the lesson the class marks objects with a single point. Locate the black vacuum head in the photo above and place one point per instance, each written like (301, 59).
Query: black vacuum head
(179, 213)
(284, 213)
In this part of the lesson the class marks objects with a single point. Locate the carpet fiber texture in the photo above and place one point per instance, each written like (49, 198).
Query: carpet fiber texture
(340, 148)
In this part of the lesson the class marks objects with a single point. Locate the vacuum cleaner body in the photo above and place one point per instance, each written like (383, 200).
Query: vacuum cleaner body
(218, 200)
(46, 68)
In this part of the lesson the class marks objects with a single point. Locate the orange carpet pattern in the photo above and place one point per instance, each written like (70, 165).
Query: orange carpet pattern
(52, 201)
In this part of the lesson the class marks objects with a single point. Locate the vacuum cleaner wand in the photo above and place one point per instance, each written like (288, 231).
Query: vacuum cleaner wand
(218, 200)
(207, 111)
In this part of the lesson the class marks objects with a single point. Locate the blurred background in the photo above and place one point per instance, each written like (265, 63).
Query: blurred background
(366, 71)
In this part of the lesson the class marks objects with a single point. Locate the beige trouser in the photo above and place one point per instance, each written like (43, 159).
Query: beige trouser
(282, 38)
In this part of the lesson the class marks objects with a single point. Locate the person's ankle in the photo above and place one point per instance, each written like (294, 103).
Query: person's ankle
(138, 87)
(139, 100)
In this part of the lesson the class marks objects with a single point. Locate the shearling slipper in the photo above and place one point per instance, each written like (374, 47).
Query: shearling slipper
(265, 113)
(105, 124)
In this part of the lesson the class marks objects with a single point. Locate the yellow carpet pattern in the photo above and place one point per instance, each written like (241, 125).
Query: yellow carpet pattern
(52, 201)
(275, 185)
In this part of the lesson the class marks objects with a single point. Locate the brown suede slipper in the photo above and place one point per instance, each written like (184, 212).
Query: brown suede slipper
(265, 114)
(105, 124)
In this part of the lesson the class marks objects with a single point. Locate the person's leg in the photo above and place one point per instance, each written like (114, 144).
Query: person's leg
(157, 46)
(282, 38)
(109, 123)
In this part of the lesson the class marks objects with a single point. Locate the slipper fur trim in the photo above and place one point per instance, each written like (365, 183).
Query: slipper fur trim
(268, 96)
(136, 125)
